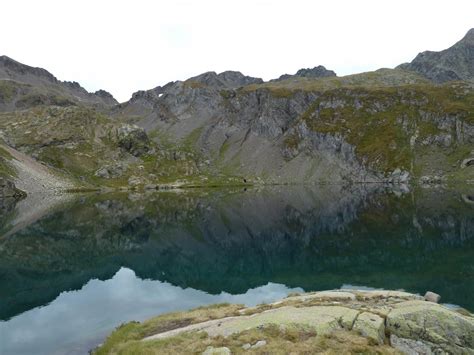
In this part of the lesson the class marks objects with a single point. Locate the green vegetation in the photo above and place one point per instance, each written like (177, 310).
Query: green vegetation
(381, 122)
(6, 170)
(378, 78)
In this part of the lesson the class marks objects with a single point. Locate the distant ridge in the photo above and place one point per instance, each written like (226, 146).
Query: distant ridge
(11, 69)
(316, 72)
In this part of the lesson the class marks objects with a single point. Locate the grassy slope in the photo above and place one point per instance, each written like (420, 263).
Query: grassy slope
(78, 141)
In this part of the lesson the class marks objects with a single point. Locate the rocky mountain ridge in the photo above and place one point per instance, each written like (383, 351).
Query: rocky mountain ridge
(390, 125)
(316, 72)
(24, 79)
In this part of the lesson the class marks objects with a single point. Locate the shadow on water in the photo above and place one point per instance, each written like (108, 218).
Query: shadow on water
(233, 240)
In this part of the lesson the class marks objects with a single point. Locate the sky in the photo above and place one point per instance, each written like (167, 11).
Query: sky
(124, 46)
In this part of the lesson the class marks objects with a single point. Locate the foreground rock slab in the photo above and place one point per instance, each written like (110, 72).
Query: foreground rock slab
(440, 327)
(346, 321)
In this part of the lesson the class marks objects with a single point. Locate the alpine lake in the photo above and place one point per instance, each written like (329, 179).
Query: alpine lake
(72, 270)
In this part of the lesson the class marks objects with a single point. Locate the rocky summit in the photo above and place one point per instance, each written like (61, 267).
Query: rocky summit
(413, 124)
(454, 63)
(316, 72)
(347, 321)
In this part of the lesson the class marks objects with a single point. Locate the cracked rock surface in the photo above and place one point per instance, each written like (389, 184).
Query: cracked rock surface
(394, 320)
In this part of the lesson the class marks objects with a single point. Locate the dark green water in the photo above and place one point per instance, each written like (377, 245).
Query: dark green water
(72, 275)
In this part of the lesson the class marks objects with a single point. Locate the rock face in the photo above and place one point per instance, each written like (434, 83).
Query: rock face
(316, 72)
(454, 63)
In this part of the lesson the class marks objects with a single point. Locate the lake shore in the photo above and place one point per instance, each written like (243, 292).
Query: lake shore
(386, 322)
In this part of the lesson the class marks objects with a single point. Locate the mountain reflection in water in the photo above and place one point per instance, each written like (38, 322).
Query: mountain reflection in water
(229, 241)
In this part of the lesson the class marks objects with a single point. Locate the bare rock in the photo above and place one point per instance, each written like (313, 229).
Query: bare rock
(371, 326)
(432, 323)
(216, 351)
(410, 346)
(432, 297)
(259, 344)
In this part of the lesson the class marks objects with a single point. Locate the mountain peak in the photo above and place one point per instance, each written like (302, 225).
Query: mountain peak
(317, 72)
(10, 68)
(227, 79)
(469, 37)
(453, 63)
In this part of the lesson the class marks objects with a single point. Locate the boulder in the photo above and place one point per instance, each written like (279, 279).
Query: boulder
(432, 297)
(110, 171)
(259, 344)
(432, 323)
(370, 326)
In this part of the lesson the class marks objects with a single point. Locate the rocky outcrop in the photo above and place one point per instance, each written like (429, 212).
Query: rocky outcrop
(389, 320)
(316, 72)
(437, 327)
(133, 139)
(454, 63)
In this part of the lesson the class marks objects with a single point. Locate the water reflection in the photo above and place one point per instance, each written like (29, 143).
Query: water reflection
(77, 321)
(231, 241)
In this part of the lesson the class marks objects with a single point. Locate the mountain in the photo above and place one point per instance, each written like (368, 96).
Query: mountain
(316, 72)
(389, 125)
(454, 63)
(22, 86)
(335, 129)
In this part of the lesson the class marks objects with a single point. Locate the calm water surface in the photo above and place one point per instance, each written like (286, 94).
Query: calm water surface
(71, 275)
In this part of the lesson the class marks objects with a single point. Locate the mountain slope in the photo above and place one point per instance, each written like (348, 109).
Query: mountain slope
(22, 85)
(365, 127)
(454, 63)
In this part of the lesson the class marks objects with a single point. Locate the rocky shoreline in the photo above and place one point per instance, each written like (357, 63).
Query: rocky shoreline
(348, 321)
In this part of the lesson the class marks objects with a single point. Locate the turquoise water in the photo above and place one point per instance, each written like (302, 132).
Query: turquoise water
(69, 276)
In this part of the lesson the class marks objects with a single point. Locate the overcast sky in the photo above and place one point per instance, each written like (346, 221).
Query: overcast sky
(126, 45)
